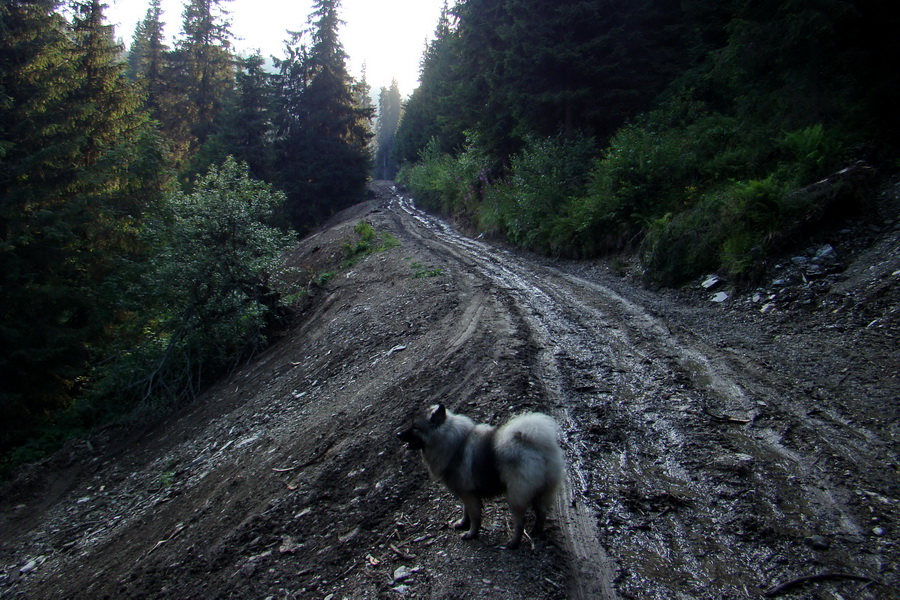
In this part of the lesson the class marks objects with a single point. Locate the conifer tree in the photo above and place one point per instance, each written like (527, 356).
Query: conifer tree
(201, 71)
(362, 98)
(244, 128)
(36, 366)
(323, 154)
(147, 56)
(389, 111)
(431, 111)
(72, 138)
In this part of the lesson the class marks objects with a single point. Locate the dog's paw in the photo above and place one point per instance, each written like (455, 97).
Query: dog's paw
(470, 535)
(461, 524)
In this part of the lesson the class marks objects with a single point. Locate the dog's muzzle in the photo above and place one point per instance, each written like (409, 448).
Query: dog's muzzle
(409, 438)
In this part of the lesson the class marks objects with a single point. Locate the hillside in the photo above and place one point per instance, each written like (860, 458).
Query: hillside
(715, 449)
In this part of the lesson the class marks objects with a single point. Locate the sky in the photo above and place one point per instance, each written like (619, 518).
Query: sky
(388, 36)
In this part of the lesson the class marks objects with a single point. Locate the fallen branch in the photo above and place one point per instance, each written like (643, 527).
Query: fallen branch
(725, 418)
(178, 529)
(783, 587)
(401, 553)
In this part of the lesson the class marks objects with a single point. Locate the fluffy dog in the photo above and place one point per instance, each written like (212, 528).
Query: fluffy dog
(521, 459)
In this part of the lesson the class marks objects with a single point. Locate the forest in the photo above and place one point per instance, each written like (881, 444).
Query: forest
(147, 196)
(148, 193)
(690, 133)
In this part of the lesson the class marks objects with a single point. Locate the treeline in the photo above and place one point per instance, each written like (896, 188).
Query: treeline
(146, 199)
(688, 131)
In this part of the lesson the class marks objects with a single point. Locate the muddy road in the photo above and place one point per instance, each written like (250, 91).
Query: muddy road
(714, 450)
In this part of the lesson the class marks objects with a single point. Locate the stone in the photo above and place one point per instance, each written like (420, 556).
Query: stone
(402, 573)
(826, 254)
(710, 282)
(818, 542)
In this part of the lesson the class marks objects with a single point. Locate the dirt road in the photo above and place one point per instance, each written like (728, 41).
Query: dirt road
(715, 451)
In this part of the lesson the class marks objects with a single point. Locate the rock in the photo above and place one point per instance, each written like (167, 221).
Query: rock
(348, 536)
(28, 567)
(720, 297)
(800, 260)
(401, 589)
(289, 545)
(401, 574)
(710, 282)
(879, 531)
(816, 271)
(739, 463)
(817, 542)
(826, 253)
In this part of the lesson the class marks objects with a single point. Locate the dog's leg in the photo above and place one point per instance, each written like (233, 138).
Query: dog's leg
(518, 518)
(473, 515)
(540, 516)
(465, 521)
(541, 505)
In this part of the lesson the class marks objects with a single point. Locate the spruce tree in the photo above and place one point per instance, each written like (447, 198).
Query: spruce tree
(389, 110)
(200, 73)
(245, 125)
(71, 192)
(147, 56)
(323, 153)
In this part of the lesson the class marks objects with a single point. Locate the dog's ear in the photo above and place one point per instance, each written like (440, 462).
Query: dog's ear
(439, 415)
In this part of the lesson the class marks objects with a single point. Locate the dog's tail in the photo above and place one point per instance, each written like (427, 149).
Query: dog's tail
(530, 441)
(531, 429)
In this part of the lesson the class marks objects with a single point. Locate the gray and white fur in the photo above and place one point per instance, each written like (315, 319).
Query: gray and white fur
(521, 459)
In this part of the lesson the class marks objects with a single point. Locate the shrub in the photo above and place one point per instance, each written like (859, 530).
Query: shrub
(642, 176)
(369, 242)
(679, 247)
(730, 228)
(812, 153)
(543, 178)
(212, 291)
(446, 184)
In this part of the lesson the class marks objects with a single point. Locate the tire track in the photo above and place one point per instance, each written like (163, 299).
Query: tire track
(670, 472)
(591, 569)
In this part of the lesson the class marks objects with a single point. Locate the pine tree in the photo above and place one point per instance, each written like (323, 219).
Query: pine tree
(323, 155)
(362, 98)
(430, 113)
(201, 73)
(244, 129)
(147, 56)
(389, 110)
(71, 188)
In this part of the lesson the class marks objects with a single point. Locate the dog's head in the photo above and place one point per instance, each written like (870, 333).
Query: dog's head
(418, 436)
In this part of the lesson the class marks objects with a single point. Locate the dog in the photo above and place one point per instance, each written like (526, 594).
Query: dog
(521, 459)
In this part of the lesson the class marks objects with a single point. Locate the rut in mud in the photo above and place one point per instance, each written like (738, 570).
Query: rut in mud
(713, 452)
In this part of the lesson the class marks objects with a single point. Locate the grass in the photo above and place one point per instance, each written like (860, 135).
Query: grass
(422, 272)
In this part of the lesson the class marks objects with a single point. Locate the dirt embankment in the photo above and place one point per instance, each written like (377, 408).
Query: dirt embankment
(715, 449)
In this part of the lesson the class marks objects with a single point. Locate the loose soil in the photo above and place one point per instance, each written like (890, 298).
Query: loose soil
(728, 449)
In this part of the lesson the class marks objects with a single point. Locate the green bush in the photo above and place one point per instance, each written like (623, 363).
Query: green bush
(446, 184)
(643, 175)
(729, 229)
(679, 247)
(369, 242)
(543, 178)
(211, 293)
(811, 154)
